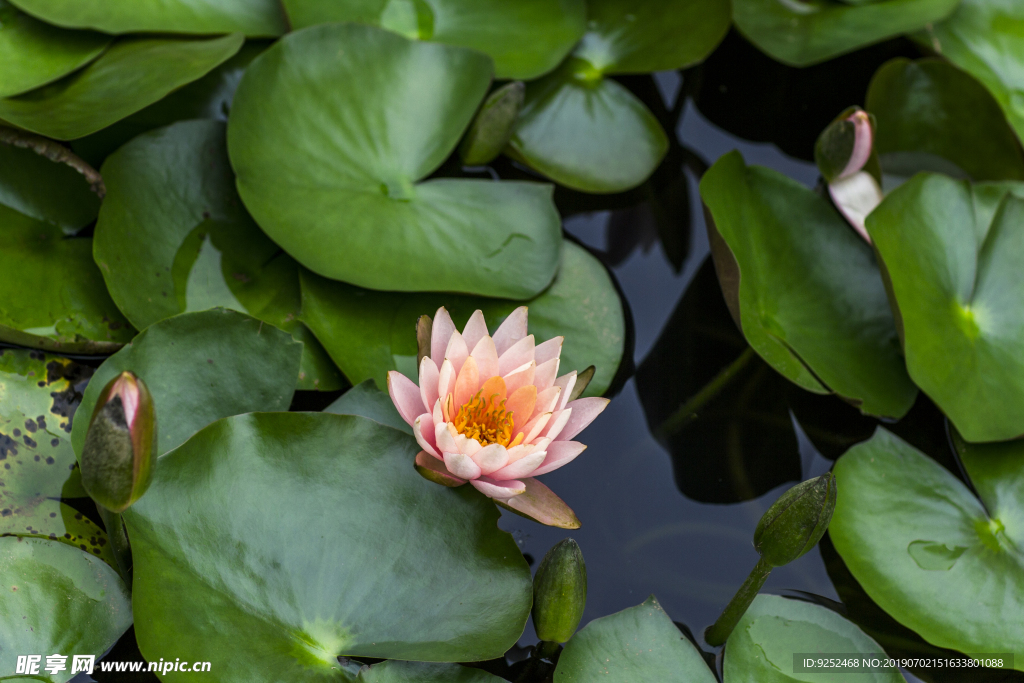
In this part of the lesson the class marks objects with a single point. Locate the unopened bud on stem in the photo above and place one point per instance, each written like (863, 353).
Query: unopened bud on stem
(559, 592)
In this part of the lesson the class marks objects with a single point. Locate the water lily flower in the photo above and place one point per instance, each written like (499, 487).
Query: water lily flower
(492, 411)
(845, 156)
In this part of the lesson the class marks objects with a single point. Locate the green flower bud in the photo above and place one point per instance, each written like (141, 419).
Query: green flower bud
(120, 446)
(493, 126)
(846, 146)
(796, 521)
(559, 592)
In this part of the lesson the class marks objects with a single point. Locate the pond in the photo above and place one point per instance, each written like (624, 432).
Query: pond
(268, 271)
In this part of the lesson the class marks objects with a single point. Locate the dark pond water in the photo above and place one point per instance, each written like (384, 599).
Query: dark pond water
(674, 515)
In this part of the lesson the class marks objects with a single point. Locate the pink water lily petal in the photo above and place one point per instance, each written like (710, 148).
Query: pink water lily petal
(546, 374)
(584, 411)
(547, 400)
(428, 382)
(437, 414)
(557, 423)
(456, 352)
(549, 350)
(516, 356)
(856, 196)
(539, 503)
(535, 426)
(511, 330)
(490, 458)
(523, 467)
(520, 451)
(432, 469)
(863, 140)
(450, 441)
(406, 396)
(423, 430)
(475, 330)
(461, 465)
(467, 383)
(446, 381)
(559, 453)
(486, 358)
(440, 333)
(520, 377)
(567, 382)
(498, 489)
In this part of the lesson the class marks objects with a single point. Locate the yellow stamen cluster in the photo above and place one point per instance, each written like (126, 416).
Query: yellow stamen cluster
(485, 419)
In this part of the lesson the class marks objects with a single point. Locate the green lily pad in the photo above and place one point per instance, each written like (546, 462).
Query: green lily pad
(369, 333)
(495, 27)
(52, 295)
(953, 256)
(201, 367)
(761, 648)
(587, 132)
(173, 236)
(811, 31)
(366, 400)
(38, 398)
(392, 566)
(251, 17)
(930, 107)
(809, 296)
(983, 38)
(46, 191)
(637, 644)
(394, 671)
(331, 131)
(34, 53)
(131, 74)
(57, 600)
(931, 554)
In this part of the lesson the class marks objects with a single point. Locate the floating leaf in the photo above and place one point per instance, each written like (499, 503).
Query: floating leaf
(762, 646)
(637, 644)
(57, 600)
(173, 236)
(369, 333)
(34, 53)
(983, 38)
(251, 17)
(392, 565)
(589, 133)
(52, 295)
(367, 400)
(809, 294)
(132, 73)
(927, 550)
(930, 107)
(497, 28)
(50, 192)
(330, 147)
(953, 256)
(200, 367)
(394, 671)
(811, 31)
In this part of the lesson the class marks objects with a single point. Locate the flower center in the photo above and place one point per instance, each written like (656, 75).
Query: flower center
(485, 419)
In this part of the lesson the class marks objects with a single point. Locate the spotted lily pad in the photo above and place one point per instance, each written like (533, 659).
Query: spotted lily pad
(369, 333)
(200, 367)
(931, 108)
(38, 397)
(927, 550)
(637, 644)
(251, 17)
(51, 294)
(810, 31)
(953, 254)
(983, 37)
(762, 646)
(46, 191)
(392, 565)
(587, 132)
(57, 600)
(34, 53)
(494, 27)
(173, 236)
(332, 131)
(132, 73)
(805, 287)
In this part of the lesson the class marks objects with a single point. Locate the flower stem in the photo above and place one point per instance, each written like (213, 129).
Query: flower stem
(737, 607)
(681, 416)
(54, 151)
(118, 542)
